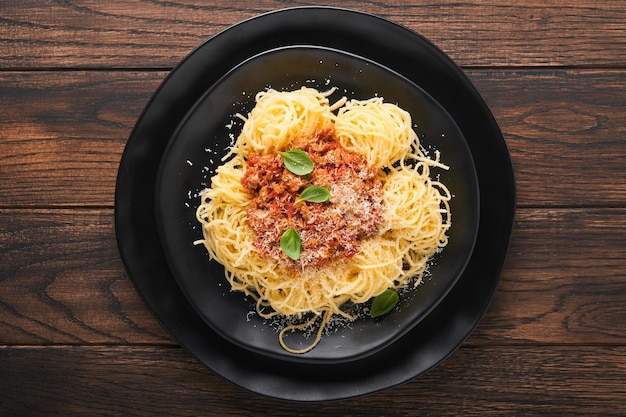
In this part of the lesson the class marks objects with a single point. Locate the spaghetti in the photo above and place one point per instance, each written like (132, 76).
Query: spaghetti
(384, 220)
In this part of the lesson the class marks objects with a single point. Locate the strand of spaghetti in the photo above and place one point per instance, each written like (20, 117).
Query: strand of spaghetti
(318, 334)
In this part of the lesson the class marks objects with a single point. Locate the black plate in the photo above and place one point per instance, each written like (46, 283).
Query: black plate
(201, 141)
(379, 40)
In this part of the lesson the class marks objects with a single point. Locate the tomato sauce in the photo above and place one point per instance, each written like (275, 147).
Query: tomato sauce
(328, 230)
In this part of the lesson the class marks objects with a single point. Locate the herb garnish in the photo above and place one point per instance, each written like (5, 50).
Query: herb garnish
(297, 161)
(291, 244)
(314, 194)
(384, 303)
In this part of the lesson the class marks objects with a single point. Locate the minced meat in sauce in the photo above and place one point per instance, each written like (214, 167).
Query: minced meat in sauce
(328, 230)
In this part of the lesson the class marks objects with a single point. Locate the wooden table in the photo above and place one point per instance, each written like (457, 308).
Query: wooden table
(75, 337)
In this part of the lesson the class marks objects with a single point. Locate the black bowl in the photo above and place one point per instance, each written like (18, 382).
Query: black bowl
(202, 139)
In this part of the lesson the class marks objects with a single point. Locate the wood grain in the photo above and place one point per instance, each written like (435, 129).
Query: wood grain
(134, 34)
(564, 130)
(61, 281)
(489, 381)
(64, 132)
(563, 280)
(73, 105)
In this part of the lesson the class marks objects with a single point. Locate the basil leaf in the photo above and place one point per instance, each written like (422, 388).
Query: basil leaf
(291, 244)
(384, 303)
(297, 161)
(314, 194)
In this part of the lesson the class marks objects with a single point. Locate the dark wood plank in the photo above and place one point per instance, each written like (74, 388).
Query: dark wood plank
(67, 105)
(64, 132)
(61, 281)
(156, 34)
(563, 280)
(530, 381)
(565, 133)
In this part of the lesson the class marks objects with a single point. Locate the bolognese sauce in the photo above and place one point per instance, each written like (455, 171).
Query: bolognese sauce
(328, 230)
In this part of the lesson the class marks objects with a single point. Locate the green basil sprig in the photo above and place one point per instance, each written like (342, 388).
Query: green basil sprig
(291, 244)
(384, 303)
(314, 194)
(297, 161)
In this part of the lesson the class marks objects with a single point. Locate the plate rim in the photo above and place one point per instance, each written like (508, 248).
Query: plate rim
(284, 386)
